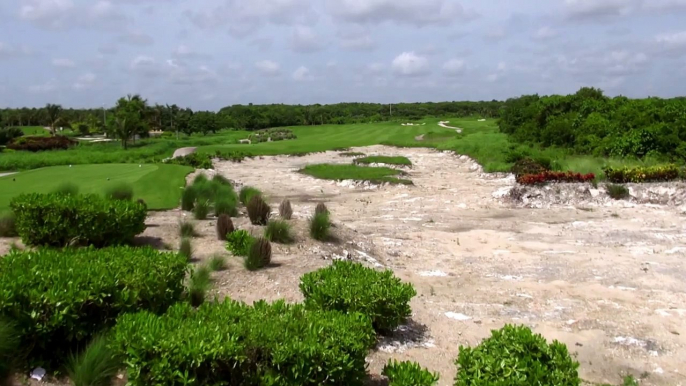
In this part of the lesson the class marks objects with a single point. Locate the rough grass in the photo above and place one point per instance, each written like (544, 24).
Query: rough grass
(319, 226)
(217, 263)
(187, 229)
(617, 192)
(97, 365)
(278, 231)
(186, 249)
(354, 172)
(248, 192)
(199, 283)
(378, 159)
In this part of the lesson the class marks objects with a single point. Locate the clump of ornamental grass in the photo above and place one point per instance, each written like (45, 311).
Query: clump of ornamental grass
(201, 210)
(278, 231)
(187, 229)
(97, 365)
(186, 249)
(285, 210)
(259, 255)
(320, 226)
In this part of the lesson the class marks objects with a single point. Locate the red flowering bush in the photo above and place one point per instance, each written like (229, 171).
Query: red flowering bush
(540, 178)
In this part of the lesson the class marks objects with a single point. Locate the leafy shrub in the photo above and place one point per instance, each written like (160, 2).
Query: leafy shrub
(319, 226)
(200, 283)
(259, 255)
(217, 263)
(247, 193)
(617, 192)
(97, 365)
(188, 198)
(8, 225)
(122, 191)
(233, 156)
(186, 249)
(351, 287)
(201, 209)
(239, 242)
(67, 188)
(258, 211)
(408, 374)
(230, 343)
(225, 206)
(34, 144)
(187, 229)
(9, 133)
(9, 348)
(321, 208)
(525, 166)
(58, 220)
(285, 210)
(194, 160)
(642, 174)
(224, 226)
(72, 294)
(533, 179)
(278, 232)
(515, 356)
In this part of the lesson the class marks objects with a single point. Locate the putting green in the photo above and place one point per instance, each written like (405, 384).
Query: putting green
(159, 185)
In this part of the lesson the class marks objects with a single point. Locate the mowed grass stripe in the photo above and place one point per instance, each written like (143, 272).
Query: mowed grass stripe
(338, 172)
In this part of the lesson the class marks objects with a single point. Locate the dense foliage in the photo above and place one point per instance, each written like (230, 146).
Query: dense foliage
(60, 299)
(590, 123)
(60, 219)
(42, 143)
(230, 343)
(515, 356)
(408, 374)
(642, 174)
(351, 287)
(540, 178)
(8, 134)
(239, 242)
(259, 255)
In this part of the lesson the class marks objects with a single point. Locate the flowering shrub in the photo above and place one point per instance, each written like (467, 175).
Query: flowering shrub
(642, 174)
(540, 178)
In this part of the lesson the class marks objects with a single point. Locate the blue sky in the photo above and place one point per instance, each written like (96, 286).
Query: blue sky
(207, 54)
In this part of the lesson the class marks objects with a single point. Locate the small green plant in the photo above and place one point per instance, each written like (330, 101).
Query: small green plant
(8, 225)
(200, 282)
(247, 193)
(617, 192)
(239, 242)
(351, 287)
(201, 210)
(200, 179)
(224, 226)
(629, 380)
(515, 356)
(218, 178)
(97, 365)
(186, 249)
(121, 192)
(319, 226)
(225, 206)
(259, 256)
(285, 210)
(258, 210)
(408, 374)
(217, 263)
(67, 188)
(9, 349)
(188, 198)
(187, 229)
(278, 231)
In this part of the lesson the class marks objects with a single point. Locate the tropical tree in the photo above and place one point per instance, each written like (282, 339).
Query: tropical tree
(54, 113)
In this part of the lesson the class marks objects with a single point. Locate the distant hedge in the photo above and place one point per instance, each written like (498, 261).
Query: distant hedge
(34, 144)
(59, 219)
(60, 299)
(642, 174)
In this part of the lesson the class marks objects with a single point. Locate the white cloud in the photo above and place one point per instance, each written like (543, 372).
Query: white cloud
(356, 38)
(304, 40)
(410, 64)
(302, 74)
(413, 12)
(44, 88)
(599, 9)
(64, 63)
(268, 67)
(9, 51)
(454, 67)
(64, 14)
(673, 43)
(85, 81)
(136, 38)
(376, 68)
(545, 33)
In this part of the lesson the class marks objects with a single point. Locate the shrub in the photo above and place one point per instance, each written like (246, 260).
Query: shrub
(218, 178)
(35, 144)
(525, 166)
(187, 229)
(188, 198)
(259, 255)
(533, 179)
(617, 192)
(515, 356)
(186, 249)
(239, 242)
(642, 174)
(9, 133)
(97, 365)
(285, 210)
(408, 374)
(67, 188)
(278, 232)
(225, 206)
(351, 287)
(58, 220)
(9, 349)
(73, 294)
(258, 211)
(217, 263)
(319, 226)
(201, 210)
(8, 225)
(247, 193)
(200, 283)
(121, 191)
(230, 343)
(224, 226)
(195, 160)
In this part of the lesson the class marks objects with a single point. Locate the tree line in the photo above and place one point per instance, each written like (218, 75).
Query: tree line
(589, 122)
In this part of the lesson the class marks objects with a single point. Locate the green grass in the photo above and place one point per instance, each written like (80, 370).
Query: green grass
(378, 159)
(35, 131)
(159, 185)
(354, 172)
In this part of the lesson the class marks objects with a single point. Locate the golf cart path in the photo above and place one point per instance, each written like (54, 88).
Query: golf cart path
(184, 151)
(443, 124)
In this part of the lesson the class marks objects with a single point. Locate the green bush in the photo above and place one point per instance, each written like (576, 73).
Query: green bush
(352, 287)
(239, 242)
(278, 231)
(67, 188)
(59, 220)
(188, 198)
(8, 225)
(218, 178)
(617, 192)
(319, 226)
(515, 356)
(122, 191)
(8, 134)
(247, 193)
(259, 255)
(258, 210)
(526, 166)
(195, 160)
(72, 294)
(230, 343)
(97, 365)
(642, 174)
(226, 206)
(408, 374)
(201, 210)
(9, 349)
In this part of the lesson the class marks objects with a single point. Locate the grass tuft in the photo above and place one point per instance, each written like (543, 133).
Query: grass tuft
(217, 263)
(199, 283)
(187, 229)
(97, 365)
(201, 210)
(247, 193)
(9, 346)
(188, 198)
(186, 249)
(617, 192)
(319, 226)
(121, 191)
(278, 231)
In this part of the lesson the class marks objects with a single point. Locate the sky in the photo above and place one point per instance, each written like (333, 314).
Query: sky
(207, 54)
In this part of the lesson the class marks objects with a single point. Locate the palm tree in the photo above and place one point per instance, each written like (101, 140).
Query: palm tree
(54, 116)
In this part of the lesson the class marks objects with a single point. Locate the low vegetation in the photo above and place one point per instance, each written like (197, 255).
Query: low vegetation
(642, 174)
(199, 283)
(247, 193)
(335, 172)
(258, 210)
(239, 242)
(121, 191)
(187, 229)
(204, 195)
(224, 226)
(408, 374)
(9, 347)
(67, 188)
(285, 210)
(271, 135)
(402, 161)
(534, 179)
(8, 225)
(278, 231)
(35, 144)
(259, 255)
(186, 248)
(97, 365)
(320, 226)
(617, 192)
(217, 263)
